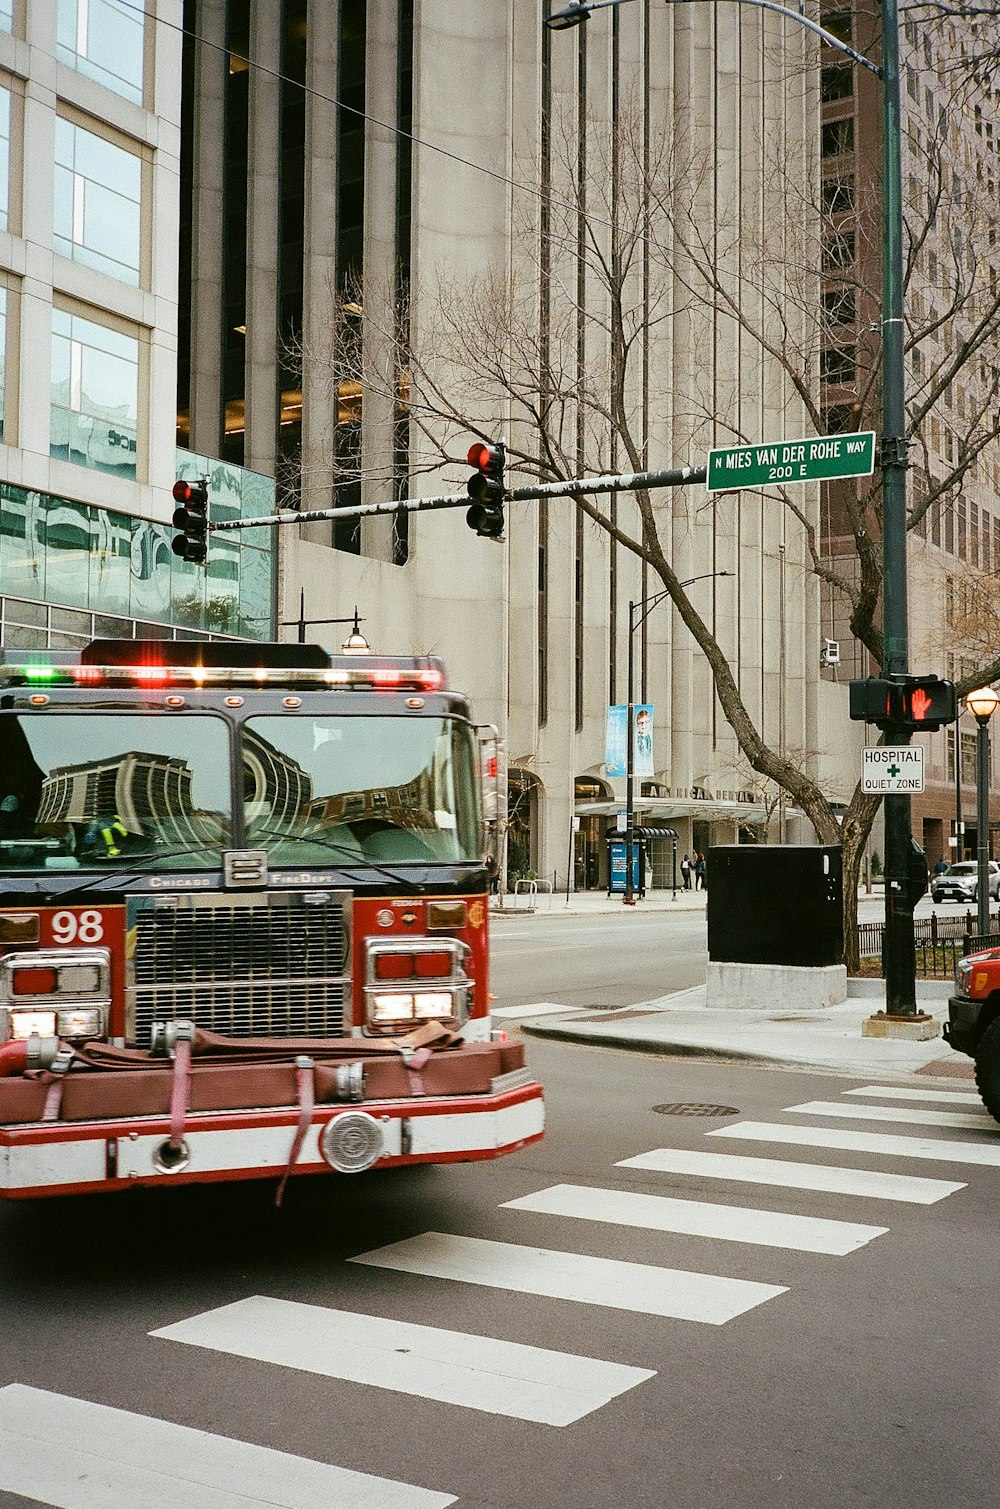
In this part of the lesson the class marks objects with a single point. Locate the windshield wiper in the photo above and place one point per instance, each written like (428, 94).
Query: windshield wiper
(97, 882)
(360, 862)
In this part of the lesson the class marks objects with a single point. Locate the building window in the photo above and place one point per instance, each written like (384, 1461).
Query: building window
(95, 393)
(4, 159)
(97, 211)
(104, 40)
(838, 194)
(836, 364)
(838, 251)
(6, 15)
(837, 137)
(3, 359)
(837, 82)
(839, 24)
(840, 306)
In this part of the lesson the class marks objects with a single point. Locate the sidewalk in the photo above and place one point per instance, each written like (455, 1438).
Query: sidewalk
(827, 1038)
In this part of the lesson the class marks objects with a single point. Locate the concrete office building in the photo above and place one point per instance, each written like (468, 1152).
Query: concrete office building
(340, 179)
(351, 176)
(950, 144)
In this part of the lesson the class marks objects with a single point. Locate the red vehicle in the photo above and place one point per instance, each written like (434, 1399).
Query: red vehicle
(244, 919)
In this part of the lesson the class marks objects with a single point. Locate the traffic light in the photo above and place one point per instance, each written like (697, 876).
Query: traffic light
(918, 703)
(191, 518)
(487, 489)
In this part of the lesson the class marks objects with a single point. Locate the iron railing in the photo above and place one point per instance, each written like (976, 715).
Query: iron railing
(939, 942)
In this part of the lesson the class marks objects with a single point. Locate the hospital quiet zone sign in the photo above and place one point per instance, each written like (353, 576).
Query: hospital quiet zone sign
(892, 768)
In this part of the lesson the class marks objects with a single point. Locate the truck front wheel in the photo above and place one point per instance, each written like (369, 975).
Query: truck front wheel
(988, 1069)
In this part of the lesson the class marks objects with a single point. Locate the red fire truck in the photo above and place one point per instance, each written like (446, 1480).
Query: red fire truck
(244, 919)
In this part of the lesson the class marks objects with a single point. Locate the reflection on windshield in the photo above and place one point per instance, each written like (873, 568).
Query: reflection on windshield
(383, 790)
(81, 790)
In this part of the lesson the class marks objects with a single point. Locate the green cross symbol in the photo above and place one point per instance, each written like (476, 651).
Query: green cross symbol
(893, 771)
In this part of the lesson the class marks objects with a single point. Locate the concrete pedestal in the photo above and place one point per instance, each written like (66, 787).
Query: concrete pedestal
(783, 987)
(914, 1029)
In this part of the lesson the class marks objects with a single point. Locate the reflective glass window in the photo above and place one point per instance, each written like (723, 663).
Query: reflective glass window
(113, 790)
(3, 357)
(6, 15)
(97, 207)
(326, 789)
(4, 158)
(104, 40)
(95, 390)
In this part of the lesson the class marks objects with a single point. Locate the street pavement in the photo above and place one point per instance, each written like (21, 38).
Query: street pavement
(828, 1038)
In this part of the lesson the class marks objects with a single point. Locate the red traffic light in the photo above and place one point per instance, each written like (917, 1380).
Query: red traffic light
(486, 457)
(190, 492)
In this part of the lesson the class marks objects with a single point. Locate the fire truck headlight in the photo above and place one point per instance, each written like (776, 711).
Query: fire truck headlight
(429, 1004)
(80, 1021)
(394, 1006)
(25, 1024)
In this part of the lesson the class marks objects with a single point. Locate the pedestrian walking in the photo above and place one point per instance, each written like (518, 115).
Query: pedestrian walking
(699, 873)
(686, 872)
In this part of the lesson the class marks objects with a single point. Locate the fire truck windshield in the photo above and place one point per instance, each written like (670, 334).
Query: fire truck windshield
(387, 790)
(98, 789)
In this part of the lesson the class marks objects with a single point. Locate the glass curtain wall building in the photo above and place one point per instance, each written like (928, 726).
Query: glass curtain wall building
(89, 120)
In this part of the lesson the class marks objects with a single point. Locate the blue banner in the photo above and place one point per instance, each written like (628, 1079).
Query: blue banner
(616, 740)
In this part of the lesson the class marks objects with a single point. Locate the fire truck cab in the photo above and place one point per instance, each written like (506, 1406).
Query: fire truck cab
(244, 919)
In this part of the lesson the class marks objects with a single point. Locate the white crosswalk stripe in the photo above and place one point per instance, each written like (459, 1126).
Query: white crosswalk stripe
(79, 1455)
(726, 1223)
(883, 1144)
(965, 1121)
(904, 1092)
(821, 1177)
(574, 1276)
(475, 1372)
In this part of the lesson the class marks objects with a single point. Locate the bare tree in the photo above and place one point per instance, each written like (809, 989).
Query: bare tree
(565, 369)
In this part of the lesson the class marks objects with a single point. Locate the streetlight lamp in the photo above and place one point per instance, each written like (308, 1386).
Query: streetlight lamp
(647, 603)
(900, 968)
(983, 704)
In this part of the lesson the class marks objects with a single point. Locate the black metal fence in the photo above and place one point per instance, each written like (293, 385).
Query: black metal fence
(939, 942)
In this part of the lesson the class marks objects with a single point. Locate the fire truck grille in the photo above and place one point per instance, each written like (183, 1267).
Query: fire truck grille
(262, 966)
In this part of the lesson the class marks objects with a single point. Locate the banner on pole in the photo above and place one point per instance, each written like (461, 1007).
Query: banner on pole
(616, 740)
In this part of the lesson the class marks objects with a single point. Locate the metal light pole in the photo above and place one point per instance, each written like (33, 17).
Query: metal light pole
(900, 981)
(959, 824)
(983, 704)
(648, 603)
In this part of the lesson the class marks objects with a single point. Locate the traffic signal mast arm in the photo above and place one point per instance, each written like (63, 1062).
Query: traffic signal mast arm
(614, 483)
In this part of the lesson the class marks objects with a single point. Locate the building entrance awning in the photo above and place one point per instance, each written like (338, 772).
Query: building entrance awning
(655, 809)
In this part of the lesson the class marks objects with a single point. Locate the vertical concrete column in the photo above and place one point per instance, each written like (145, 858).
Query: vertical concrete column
(263, 187)
(319, 283)
(207, 229)
(381, 91)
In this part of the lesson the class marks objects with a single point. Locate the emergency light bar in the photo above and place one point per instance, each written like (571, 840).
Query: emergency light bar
(164, 663)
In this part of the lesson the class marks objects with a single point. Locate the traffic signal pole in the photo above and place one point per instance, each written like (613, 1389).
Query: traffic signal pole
(899, 959)
(682, 476)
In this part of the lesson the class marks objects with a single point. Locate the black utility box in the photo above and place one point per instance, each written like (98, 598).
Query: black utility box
(775, 904)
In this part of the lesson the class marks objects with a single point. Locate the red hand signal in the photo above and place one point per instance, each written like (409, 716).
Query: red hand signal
(920, 704)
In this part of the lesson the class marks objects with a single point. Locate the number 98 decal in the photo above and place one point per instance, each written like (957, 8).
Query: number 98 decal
(77, 927)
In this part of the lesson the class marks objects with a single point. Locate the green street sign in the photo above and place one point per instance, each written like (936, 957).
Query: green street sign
(814, 460)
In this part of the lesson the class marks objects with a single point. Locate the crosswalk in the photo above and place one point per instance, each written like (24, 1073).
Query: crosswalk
(76, 1454)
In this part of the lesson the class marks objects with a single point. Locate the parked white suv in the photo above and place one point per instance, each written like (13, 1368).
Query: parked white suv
(960, 882)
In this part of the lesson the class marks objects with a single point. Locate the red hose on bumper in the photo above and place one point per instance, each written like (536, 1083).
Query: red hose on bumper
(13, 1059)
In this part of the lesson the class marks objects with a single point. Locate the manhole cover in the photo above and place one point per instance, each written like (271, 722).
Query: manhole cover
(692, 1108)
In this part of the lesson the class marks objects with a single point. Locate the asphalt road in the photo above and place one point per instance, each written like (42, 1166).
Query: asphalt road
(615, 958)
(595, 960)
(858, 1370)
